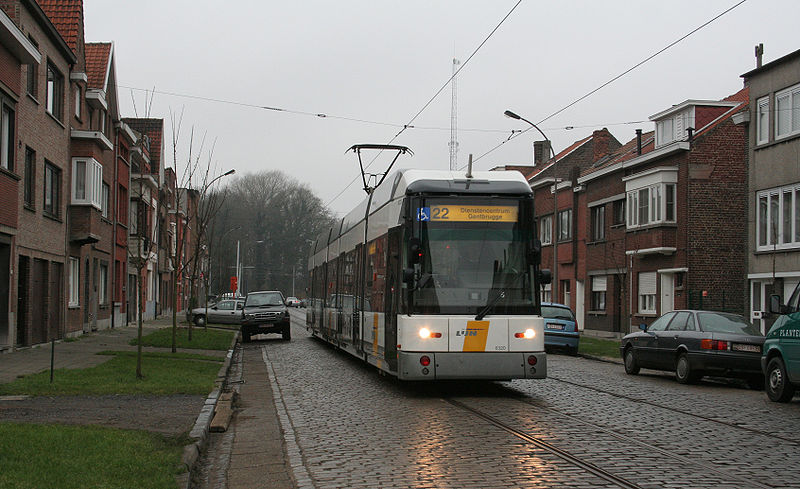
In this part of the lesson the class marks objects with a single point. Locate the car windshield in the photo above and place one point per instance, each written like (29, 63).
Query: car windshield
(264, 299)
(555, 312)
(720, 322)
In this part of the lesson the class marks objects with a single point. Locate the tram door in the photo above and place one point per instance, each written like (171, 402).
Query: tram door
(358, 292)
(392, 295)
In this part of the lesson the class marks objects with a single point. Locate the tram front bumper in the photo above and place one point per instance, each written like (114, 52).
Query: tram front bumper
(472, 365)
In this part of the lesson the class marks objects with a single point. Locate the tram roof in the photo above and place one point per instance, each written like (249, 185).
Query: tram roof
(412, 181)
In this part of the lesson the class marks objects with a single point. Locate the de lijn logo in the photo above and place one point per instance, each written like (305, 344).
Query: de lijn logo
(468, 332)
(423, 213)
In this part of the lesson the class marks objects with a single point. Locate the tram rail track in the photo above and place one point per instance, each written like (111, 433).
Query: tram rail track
(679, 411)
(604, 474)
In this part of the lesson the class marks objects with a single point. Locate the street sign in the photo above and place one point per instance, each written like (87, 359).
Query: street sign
(234, 284)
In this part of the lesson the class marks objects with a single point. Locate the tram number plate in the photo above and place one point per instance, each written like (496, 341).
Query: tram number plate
(743, 347)
(557, 326)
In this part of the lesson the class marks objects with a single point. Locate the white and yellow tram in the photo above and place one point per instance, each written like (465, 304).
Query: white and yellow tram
(435, 276)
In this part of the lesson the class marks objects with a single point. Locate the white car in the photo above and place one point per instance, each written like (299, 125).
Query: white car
(293, 302)
(224, 311)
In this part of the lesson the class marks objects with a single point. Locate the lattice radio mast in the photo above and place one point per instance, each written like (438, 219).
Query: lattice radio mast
(454, 121)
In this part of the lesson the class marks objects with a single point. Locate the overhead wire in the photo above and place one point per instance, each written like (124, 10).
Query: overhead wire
(405, 126)
(640, 63)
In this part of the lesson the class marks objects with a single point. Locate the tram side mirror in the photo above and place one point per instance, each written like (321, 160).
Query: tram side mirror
(535, 252)
(775, 305)
(414, 251)
(545, 277)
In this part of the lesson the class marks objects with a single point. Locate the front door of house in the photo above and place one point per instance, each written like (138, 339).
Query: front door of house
(667, 292)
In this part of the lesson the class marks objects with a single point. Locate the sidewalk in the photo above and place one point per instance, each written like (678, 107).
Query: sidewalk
(81, 353)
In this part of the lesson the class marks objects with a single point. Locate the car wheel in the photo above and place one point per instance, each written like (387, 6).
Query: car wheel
(200, 320)
(777, 383)
(287, 333)
(683, 370)
(631, 365)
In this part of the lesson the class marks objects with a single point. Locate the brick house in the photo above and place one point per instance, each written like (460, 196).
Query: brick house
(773, 202)
(16, 53)
(146, 204)
(664, 219)
(43, 158)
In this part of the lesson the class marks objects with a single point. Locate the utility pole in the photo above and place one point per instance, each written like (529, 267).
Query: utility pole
(454, 121)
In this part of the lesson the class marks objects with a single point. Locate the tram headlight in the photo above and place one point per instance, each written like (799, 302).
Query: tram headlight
(424, 333)
(528, 334)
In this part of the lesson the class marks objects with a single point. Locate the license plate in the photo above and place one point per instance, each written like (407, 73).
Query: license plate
(743, 347)
(559, 327)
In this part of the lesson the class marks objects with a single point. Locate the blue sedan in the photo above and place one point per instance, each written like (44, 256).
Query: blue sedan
(560, 327)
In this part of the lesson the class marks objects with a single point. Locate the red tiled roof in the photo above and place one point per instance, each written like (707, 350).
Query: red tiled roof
(559, 156)
(97, 58)
(742, 96)
(67, 17)
(154, 129)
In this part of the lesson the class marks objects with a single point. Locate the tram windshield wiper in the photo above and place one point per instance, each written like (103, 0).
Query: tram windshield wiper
(488, 307)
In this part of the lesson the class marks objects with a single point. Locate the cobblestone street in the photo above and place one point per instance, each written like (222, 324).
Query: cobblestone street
(587, 425)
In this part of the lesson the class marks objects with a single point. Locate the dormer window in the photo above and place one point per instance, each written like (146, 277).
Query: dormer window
(673, 128)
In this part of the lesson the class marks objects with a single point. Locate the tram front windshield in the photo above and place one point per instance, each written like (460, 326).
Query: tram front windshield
(474, 256)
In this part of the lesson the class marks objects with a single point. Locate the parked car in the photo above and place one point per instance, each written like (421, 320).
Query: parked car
(697, 343)
(560, 327)
(225, 311)
(265, 312)
(293, 302)
(781, 359)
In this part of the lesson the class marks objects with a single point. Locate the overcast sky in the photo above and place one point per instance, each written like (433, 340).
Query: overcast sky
(380, 62)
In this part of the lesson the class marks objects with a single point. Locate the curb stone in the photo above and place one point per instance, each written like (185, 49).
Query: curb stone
(200, 430)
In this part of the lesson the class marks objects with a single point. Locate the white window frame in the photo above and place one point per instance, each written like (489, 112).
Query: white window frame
(89, 171)
(787, 111)
(102, 286)
(546, 230)
(599, 288)
(104, 199)
(646, 192)
(564, 225)
(762, 120)
(173, 231)
(771, 230)
(673, 128)
(78, 92)
(647, 292)
(7, 137)
(74, 281)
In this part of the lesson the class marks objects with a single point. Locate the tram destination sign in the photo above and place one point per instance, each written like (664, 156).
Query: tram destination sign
(468, 213)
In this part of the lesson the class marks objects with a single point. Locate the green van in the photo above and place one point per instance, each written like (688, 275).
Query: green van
(781, 358)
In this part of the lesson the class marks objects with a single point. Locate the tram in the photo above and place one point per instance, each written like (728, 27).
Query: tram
(435, 276)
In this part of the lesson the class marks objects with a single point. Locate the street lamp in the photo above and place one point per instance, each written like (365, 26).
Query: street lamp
(554, 287)
(229, 172)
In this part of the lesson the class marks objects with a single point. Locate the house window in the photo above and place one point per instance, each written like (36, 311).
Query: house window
(87, 182)
(102, 286)
(102, 121)
(133, 220)
(32, 84)
(173, 232)
(74, 281)
(619, 212)
(30, 177)
(52, 189)
(55, 92)
(787, 112)
(7, 138)
(565, 290)
(546, 230)
(673, 128)
(564, 224)
(78, 98)
(778, 218)
(762, 120)
(598, 223)
(647, 292)
(122, 205)
(104, 200)
(547, 295)
(599, 293)
(651, 205)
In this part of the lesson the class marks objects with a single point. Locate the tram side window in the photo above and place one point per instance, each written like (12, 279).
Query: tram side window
(376, 272)
(331, 285)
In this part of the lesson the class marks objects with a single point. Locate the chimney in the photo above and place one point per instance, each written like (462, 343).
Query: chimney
(638, 141)
(759, 54)
(600, 141)
(541, 152)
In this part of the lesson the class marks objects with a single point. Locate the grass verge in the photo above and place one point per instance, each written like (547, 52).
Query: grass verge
(599, 347)
(201, 339)
(67, 457)
(163, 375)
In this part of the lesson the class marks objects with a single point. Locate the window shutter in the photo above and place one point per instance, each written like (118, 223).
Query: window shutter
(647, 283)
(599, 284)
